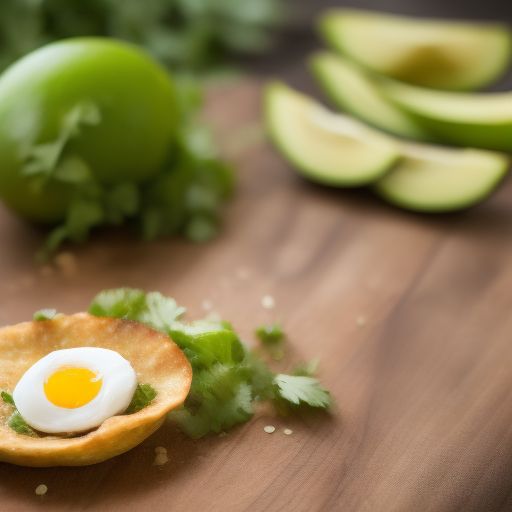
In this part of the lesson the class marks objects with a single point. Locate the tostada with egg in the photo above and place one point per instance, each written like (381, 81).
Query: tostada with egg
(74, 382)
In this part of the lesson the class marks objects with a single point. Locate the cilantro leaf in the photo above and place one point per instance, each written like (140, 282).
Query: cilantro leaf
(270, 334)
(306, 390)
(19, 425)
(44, 314)
(227, 376)
(7, 398)
(143, 396)
(218, 401)
(15, 420)
(161, 312)
(119, 303)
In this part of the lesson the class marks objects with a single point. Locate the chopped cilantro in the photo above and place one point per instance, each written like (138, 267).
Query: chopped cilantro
(270, 334)
(7, 398)
(19, 425)
(44, 314)
(227, 376)
(185, 197)
(15, 420)
(143, 396)
(302, 390)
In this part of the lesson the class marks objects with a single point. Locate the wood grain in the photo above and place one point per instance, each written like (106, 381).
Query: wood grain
(410, 314)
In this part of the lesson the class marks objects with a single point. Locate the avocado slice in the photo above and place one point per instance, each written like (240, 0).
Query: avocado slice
(481, 120)
(351, 88)
(328, 148)
(436, 179)
(451, 55)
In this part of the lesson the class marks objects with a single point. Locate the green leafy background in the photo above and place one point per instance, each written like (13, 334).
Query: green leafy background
(195, 35)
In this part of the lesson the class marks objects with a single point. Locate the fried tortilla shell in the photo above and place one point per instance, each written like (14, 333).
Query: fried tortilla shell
(156, 359)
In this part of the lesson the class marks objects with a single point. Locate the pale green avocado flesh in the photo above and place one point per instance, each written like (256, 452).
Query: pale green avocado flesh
(350, 88)
(480, 120)
(434, 179)
(328, 148)
(449, 55)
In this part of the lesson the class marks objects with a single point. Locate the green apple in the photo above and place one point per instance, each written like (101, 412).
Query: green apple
(481, 120)
(435, 179)
(448, 55)
(352, 89)
(328, 148)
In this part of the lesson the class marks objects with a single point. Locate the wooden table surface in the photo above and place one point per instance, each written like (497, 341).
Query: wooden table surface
(410, 314)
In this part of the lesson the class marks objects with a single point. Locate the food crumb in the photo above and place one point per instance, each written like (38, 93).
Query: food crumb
(288, 431)
(206, 305)
(41, 489)
(160, 459)
(66, 263)
(361, 320)
(268, 302)
(160, 449)
(269, 429)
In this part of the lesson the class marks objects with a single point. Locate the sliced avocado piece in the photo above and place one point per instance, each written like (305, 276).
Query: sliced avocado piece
(435, 179)
(451, 55)
(328, 148)
(350, 88)
(480, 120)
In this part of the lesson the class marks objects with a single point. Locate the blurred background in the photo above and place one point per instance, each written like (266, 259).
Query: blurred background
(208, 37)
(298, 36)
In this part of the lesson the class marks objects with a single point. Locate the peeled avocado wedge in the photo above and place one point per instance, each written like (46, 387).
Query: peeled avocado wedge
(351, 89)
(334, 149)
(328, 148)
(435, 179)
(449, 55)
(480, 120)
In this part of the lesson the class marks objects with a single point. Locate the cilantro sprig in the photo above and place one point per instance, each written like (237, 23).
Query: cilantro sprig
(186, 197)
(227, 377)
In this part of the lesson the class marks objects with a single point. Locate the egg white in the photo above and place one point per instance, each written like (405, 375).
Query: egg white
(119, 384)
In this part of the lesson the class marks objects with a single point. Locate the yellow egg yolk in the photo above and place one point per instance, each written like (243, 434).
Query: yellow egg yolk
(72, 387)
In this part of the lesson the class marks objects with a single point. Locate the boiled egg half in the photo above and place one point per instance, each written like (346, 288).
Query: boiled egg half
(75, 390)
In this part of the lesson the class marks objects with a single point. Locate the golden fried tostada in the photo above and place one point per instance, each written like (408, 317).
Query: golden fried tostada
(156, 359)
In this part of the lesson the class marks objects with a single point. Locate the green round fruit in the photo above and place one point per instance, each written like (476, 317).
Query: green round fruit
(136, 102)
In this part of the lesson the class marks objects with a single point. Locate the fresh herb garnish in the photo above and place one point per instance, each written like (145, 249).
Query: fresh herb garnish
(7, 398)
(299, 389)
(186, 35)
(143, 396)
(185, 197)
(227, 377)
(20, 426)
(15, 420)
(44, 314)
(270, 334)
